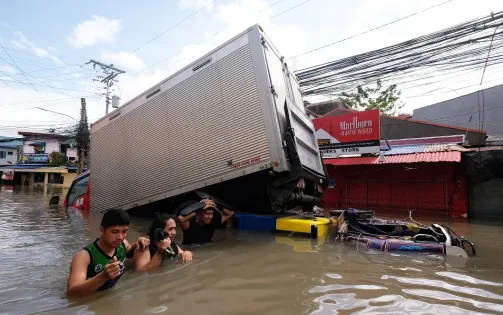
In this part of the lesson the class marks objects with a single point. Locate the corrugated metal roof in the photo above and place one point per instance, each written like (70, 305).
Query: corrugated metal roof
(12, 143)
(403, 149)
(449, 156)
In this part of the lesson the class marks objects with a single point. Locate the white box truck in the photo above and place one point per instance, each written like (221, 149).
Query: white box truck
(231, 125)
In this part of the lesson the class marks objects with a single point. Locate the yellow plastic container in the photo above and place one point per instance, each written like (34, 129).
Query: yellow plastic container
(317, 227)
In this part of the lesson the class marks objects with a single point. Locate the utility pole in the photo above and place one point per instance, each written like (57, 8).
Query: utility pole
(82, 136)
(108, 77)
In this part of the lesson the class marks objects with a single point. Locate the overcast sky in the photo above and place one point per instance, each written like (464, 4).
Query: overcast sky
(52, 43)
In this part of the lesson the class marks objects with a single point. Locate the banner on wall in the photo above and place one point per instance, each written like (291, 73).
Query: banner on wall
(8, 175)
(352, 133)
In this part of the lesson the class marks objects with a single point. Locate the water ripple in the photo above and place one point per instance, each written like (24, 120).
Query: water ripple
(443, 296)
(465, 278)
(445, 285)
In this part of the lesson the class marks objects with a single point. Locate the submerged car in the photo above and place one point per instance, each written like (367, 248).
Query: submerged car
(363, 228)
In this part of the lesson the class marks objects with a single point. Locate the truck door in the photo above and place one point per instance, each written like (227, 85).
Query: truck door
(290, 109)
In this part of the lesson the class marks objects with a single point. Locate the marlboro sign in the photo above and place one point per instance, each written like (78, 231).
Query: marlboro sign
(352, 133)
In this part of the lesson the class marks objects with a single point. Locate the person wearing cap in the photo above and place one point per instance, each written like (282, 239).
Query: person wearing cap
(198, 224)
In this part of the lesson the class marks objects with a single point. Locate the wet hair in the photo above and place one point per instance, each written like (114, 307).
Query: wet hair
(159, 222)
(115, 217)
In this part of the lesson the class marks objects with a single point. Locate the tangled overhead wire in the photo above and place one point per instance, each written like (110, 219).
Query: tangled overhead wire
(453, 50)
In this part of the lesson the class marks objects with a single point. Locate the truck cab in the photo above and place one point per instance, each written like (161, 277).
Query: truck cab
(78, 195)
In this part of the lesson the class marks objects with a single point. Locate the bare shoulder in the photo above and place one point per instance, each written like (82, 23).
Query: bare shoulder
(81, 258)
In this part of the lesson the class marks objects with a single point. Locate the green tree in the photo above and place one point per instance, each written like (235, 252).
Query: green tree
(367, 98)
(56, 159)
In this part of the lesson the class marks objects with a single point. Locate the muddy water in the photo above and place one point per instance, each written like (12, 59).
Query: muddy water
(241, 272)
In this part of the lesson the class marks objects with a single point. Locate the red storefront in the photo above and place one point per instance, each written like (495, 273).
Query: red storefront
(428, 182)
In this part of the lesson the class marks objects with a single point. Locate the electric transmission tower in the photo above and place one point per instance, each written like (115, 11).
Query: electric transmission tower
(108, 77)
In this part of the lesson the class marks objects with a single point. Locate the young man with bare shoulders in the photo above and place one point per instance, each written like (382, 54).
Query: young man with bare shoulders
(99, 265)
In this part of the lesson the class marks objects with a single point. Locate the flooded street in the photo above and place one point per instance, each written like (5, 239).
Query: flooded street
(240, 272)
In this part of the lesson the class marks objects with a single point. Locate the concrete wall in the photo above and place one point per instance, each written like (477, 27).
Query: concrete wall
(71, 152)
(460, 110)
(392, 128)
(486, 200)
(9, 159)
(51, 145)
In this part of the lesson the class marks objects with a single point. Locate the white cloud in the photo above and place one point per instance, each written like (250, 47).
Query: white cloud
(18, 45)
(7, 68)
(195, 4)
(23, 43)
(128, 60)
(97, 30)
(289, 38)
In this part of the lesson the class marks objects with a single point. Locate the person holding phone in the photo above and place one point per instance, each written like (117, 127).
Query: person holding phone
(162, 246)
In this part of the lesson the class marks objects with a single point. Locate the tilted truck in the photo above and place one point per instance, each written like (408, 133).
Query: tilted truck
(231, 125)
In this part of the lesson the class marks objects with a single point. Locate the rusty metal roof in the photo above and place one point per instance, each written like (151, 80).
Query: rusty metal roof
(428, 157)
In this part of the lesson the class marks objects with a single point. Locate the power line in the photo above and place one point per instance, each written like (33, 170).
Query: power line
(225, 29)
(49, 100)
(463, 46)
(41, 96)
(288, 10)
(54, 88)
(24, 52)
(46, 85)
(370, 30)
(175, 25)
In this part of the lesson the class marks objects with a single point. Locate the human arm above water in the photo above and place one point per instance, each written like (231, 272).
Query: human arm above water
(144, 262)
(185, 221)
(142, 243)
(78, 284)
(185, 255)
(226, 214)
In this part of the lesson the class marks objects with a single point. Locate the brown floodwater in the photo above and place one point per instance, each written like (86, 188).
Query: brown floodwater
(240, 272)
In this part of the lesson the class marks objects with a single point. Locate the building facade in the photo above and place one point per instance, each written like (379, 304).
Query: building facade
(478, 110)
(32, 154)
(38, 147)
(9, 148)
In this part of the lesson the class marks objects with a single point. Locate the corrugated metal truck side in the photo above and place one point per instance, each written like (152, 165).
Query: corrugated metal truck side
(232, 124)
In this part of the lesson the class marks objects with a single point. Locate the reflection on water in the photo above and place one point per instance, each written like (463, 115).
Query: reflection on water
(240, 273)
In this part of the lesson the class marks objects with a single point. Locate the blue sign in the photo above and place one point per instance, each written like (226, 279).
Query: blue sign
(35, 158)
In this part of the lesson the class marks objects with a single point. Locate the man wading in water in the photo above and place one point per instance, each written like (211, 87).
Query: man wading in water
(100, 265)
(198, 225)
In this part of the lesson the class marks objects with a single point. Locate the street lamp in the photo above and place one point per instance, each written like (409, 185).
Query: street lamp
(46, 110)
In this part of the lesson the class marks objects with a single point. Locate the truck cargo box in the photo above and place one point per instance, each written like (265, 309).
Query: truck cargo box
(232, 124)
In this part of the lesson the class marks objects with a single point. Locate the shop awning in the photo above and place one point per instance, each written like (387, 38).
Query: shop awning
(424, 157)
(38, 144)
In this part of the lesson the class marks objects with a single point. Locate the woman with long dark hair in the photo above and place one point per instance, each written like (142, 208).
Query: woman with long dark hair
(162, 246)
